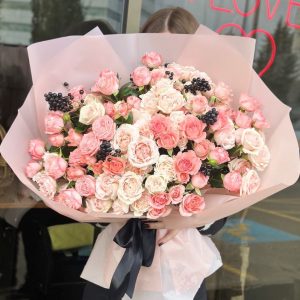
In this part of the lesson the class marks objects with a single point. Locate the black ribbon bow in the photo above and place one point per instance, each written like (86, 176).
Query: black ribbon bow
(140, 249)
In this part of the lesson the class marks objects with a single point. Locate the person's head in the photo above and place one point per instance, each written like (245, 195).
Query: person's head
(173, 20)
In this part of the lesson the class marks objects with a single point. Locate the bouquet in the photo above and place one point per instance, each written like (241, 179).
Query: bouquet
(155, 142)
(192, 131)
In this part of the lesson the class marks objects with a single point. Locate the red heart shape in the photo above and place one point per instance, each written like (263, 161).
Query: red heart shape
(251, 33)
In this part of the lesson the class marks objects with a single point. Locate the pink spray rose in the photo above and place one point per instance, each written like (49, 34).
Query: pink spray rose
(259, 120)
(156, 75)
(78, 93)
(54, 122)
(47, 184)
(36, 149)
(55, 166)
(70, 198)
(104, 128)
(176, 193)
(232, 181)
(199, 180)
(86, 185)
(203, 148)
(155, 213)
(159, 124)
(193, 128)
(151, 59)
(191, 204)
(248, 103)
(133, 102)
(186, 163)
(243, 120)
(220, 155)
(74, 138)
(56, 140)
(141, 76)
(199, 104)
(89, 144)
(159, 200)
(73, 173)
(32, 168)
(109, 109)
(168, 140)
(107, 83)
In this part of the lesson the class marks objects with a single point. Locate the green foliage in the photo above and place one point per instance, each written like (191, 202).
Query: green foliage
(122, 120)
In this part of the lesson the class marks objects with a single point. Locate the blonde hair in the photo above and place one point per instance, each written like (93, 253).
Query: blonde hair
(174, 20)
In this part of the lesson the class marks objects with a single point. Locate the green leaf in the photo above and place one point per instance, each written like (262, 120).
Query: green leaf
(71, 184)
(189, 187)
(127, 90)
(53, 149)
(127, 120)
(67, 117)
(65, 151)
(81, 128)
(212, 162)
(198, 191)
(170, 152)
(216, 181)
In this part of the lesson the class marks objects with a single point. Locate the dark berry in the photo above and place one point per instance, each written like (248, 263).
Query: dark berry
(66, 84)
(81, 92)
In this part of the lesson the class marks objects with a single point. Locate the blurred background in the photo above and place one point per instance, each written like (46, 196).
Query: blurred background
(260, 246)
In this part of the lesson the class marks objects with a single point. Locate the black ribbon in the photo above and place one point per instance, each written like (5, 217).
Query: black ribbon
(140, 249)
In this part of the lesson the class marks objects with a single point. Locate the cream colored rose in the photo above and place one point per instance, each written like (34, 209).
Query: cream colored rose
(47, 185)
(165, 168)
(130, 188)
(156, 184)
(140, 206)
(106, 187)
(250, 183)
(170, 101)
(149, 103)
(262, 159)
(94, 204)
(252, 141)
(92, 98)
(120, 208)
(125, 134)
(225, 138)
(143, 152)
(177, 117)
(90, 112)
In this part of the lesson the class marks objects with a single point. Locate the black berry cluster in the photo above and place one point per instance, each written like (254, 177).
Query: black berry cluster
(225, 170)
(210, 117)
(206, 169)
(58, 102)
(170, 75)
(104, 151)
(197, 84)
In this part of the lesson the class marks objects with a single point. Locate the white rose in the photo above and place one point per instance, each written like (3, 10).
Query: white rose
(120, 208)
(170, 101)
(177, 117)
(90, 112)
(165, 168)
(47, 185)
(140, 206)
(143, 152)
(262, 159)
(252, 141)
(143, 126)
(96, 205)
(238, 135)
(125, 134)
(250, 183)
(225, 138)
(92, 98)
(130, 187)
(149, 103)
(156, 184)
(106, 187)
